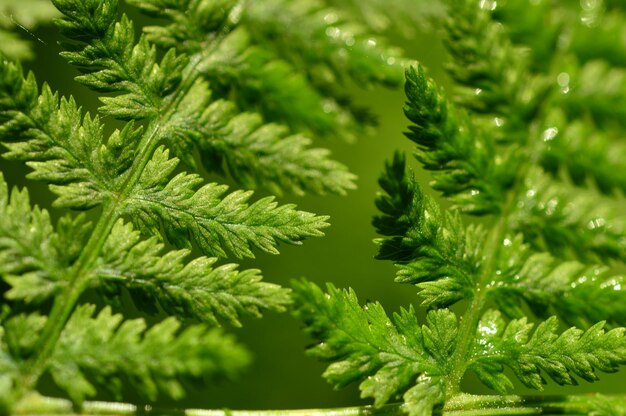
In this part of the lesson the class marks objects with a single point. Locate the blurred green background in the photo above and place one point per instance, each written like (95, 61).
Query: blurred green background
(282, 376)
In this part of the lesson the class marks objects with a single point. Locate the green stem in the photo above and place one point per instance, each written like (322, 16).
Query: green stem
(470, 319)
(64, 303)
(460, 405)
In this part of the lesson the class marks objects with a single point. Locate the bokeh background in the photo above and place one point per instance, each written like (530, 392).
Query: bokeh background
(282, 376)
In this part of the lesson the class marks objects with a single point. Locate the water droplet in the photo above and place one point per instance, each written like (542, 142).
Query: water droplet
(423, 378)
(613, 283)
(371, 42)
(596, 223)
(498, 121)
(391, 60)
(507, 242)
(551, 206)
(550, 133)
(563, 80)
(478, 91)
(329, 107)
(331, 18)
(488, 4)
(488, 329)
(333, 32)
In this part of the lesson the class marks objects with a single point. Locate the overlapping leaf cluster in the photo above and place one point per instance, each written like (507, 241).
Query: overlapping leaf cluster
(530, 140)
(198, 85)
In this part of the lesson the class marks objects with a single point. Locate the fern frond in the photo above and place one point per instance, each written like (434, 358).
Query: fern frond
(402, 16)
(290, 27)
(596, 89)
(584, 153)
(491, 72)
(551, 286)
(214, 222)
(569, 222)
(182, 288)
(388, 358)
(461, 156)
(105, 49)
(255, 154)
(104, 348)
(561, 356)
(433, 250)
(531, 111)
(30, 261)
(279, 57)
(64, 148)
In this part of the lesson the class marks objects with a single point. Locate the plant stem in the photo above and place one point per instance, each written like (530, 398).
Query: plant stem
(460, 405)
(470, 319)
(65, 302)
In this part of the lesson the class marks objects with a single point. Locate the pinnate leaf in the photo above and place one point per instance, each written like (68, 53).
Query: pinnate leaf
(105, 348)
(182, 288)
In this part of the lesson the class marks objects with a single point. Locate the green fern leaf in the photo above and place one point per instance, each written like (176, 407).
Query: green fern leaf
(255, 154)
(448, 145)
(433, 251)
(29, 258)
(388, 358)
(107, 52)
(560, 356)
(215, 223)
(193, 289)
(42, 131)
(570, 222)
(551, 286)
(293, 67)
(101, 349)
(584, 152)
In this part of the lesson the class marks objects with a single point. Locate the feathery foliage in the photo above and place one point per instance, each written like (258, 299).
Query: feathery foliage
(197, 90)
(521, 275)
(530, 141)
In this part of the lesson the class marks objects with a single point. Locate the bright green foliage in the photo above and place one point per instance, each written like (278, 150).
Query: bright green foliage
(42, 131)
(573, 352)
(257, 154)
(393, 15)
(571, 222)
(531, 140)
(365, 345)
(434, 250)
(213, 222)
(451, 147)
(113, 61)
(586, 154)
(199, 89)
(17, 19)
(29, 249)
(550, 286)
(283, 58)
(188, 289)
(105, 346)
